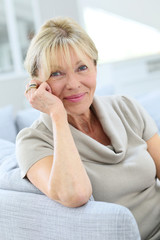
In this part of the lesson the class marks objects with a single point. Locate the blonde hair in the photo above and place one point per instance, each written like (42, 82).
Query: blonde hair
(55, 39)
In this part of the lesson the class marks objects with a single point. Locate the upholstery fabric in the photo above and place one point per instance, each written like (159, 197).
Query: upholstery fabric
(30, 216)
(7, 124)
(26, 117)
(26, 213)
(151, 103)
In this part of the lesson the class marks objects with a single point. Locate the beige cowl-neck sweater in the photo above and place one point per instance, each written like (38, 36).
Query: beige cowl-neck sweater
(122, 173)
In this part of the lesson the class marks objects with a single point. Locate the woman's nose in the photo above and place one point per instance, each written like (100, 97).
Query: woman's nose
(72, 82)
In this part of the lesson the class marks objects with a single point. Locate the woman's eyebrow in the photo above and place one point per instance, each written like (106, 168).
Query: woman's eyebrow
(78, 62)
(56, 67)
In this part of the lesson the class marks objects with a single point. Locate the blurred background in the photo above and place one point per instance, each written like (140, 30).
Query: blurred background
(126, 33)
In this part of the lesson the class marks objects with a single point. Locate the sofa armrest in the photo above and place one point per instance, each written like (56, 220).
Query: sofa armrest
(35, 217)
(26, 213)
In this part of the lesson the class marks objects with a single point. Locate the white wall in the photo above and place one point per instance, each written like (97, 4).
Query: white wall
(51, 8)
(135, 77)
(144, 11)
(12, 92)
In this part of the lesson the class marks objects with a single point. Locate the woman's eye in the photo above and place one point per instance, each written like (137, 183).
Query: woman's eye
(82, 68)
(55, 74)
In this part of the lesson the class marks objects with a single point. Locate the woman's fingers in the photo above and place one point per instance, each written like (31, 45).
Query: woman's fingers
(35, 84)
(35, 81)
(39, 95)
(32, 85)
(45, 86)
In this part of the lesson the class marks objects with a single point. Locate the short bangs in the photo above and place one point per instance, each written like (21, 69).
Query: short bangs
(55, 56)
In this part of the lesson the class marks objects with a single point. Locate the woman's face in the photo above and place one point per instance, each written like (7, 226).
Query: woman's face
(74, 85)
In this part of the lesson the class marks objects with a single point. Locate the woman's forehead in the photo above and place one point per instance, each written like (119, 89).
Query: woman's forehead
(70, 58)
(60, 60)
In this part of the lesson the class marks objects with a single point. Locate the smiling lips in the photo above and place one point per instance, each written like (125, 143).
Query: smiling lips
(75, 98)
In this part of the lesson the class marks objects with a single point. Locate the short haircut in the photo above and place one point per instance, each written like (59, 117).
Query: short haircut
(55, 38)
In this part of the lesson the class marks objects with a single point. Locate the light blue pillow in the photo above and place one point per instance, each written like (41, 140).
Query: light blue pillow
(151, 102)
(26, 117)
(6, 149)
(7, 124)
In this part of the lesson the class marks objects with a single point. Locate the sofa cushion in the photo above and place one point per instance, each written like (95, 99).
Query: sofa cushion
(10, 177)
(151, 103)
(7, 124)
(26, 117)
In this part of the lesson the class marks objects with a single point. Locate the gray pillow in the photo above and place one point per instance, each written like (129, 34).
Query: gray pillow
(7, 124)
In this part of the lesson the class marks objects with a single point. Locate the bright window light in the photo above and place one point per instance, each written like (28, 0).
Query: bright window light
(118, 38)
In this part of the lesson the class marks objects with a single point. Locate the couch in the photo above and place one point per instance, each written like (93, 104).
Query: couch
(27, 214)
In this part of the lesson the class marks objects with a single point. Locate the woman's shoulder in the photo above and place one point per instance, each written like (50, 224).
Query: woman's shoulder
(120, 100)
(123, 106)
(32, 144)
(38, 129)
(131, 110)
(127, 105)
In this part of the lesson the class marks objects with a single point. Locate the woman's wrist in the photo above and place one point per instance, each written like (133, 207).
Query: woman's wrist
(59, 117)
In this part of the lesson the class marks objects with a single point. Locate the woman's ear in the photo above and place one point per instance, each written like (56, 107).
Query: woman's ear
(95, 62)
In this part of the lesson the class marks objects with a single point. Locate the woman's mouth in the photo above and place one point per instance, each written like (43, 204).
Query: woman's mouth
(75, 98)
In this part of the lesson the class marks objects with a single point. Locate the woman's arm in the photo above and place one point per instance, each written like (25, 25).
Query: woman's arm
(154, 150)
(62, 177)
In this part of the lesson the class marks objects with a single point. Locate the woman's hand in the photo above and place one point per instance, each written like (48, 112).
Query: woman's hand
(42, 98)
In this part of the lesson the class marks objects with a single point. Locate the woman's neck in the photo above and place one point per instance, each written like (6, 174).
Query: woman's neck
(84, 122)
(91, 126)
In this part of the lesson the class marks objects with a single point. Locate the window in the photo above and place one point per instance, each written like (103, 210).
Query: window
(25, 24)
(118, 38)
(6, 61)
(17, 27)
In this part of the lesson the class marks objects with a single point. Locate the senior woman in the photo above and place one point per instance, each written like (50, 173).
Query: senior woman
(82, 144)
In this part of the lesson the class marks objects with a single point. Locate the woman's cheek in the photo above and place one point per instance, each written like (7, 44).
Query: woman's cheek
(92, 81)
(57, 90)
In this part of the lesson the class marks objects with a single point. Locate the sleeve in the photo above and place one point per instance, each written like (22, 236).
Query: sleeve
(139, 117)
(33, 144)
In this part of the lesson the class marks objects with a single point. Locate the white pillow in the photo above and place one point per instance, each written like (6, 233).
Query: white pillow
(7, 124)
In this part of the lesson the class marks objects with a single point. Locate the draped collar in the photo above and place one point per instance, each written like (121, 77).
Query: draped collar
(89, 148)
